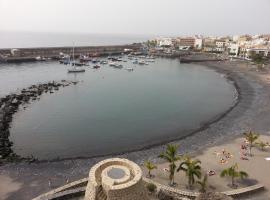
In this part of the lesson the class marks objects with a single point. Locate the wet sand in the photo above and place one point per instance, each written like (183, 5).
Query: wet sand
(252, 112)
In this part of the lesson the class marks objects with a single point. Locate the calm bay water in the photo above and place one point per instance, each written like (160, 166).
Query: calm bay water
(112, 110)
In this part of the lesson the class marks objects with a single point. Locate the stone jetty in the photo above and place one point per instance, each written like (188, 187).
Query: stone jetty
(30, 54)
(11, 103)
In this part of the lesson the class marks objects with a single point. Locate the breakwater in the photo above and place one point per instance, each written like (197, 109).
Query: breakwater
(30, 54)
(10, 105)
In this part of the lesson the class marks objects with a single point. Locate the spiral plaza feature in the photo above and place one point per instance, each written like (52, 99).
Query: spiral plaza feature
(115, 179)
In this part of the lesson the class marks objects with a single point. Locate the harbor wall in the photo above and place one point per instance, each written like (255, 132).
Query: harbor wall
(27, 54)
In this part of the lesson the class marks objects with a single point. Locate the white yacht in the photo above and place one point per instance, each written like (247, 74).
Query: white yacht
(116, 65)
(142, 62)
(150, 60)
(112, 64)
(129, 69)
(75, 68)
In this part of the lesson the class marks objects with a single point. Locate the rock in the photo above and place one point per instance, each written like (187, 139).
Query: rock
(20, 97)
(26, 99)
(10, 104)
(14, 101)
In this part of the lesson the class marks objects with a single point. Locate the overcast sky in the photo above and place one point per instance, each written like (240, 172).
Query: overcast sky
(155, 17)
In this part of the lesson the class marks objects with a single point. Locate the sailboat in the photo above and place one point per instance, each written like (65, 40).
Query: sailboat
(75, 67)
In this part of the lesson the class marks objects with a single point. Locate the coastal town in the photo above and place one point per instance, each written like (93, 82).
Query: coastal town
(134, 100)
(238, 46)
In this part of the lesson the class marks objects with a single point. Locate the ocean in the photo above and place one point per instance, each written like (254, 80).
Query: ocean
(31, 39)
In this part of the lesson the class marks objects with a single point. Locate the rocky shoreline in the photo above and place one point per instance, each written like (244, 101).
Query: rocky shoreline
(11, 103)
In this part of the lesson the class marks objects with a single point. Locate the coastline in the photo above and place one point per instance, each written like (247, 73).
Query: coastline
(230, 125)
(157, 141)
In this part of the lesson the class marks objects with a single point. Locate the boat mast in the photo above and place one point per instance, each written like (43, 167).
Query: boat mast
(73, 53)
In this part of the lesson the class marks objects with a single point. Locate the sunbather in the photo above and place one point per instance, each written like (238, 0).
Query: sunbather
(211, 173)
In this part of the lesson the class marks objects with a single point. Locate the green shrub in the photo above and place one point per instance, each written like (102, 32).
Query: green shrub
(151, 187)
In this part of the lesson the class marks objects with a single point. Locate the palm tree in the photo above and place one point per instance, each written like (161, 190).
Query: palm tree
(262, 145)
(233, 173)
(171, 156)
(203, 183)
(258, 59)
(192, 169)
(251, 137)
(150, 166)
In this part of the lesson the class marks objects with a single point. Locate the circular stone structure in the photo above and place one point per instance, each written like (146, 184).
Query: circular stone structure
(117, 173)
(115, 179)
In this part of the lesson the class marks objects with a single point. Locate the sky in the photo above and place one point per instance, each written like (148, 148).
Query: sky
(137, 17)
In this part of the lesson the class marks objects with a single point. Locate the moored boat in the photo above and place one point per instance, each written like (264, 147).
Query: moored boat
(116, 65)
(96, 66)
(103, 62)
(76, 69)
(142, 62)
(85, 59)
(135, 62)
(119, 66)
(41, 58)
(76, 66)
(150, 60)
(129, 69)
(112, 64)
(114, 59)
(95, 60)
(65, 62)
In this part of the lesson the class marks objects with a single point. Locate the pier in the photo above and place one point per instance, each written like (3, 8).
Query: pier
(30, 54)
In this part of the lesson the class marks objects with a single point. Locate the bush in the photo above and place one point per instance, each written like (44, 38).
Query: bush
(165, 195)
(151, 187)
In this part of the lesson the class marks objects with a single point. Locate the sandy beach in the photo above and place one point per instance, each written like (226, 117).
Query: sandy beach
(256, 166)
(25, 181)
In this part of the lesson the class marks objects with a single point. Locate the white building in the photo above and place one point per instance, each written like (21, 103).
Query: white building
(233, 49)
(235, 38)
(165, 42)
(258, 41)
(198, 43)
(261, 51)
(220, 46)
